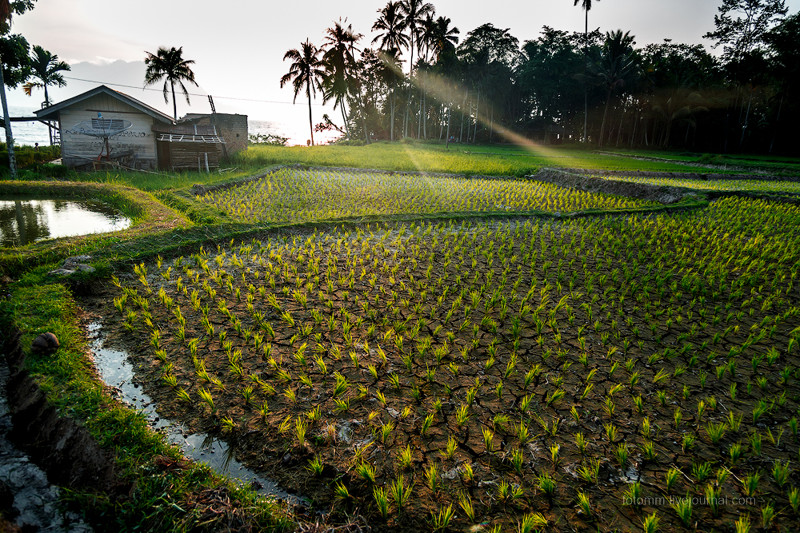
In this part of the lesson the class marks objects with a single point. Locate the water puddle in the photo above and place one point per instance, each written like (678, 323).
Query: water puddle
(26, 220)
(116, 371)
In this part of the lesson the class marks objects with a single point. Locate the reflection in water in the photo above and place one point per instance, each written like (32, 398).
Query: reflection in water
(23, 221)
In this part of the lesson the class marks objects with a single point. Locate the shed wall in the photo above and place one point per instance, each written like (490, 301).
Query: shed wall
(137, 143)
(231, 127)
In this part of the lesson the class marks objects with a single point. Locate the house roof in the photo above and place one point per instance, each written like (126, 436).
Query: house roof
(51, 111)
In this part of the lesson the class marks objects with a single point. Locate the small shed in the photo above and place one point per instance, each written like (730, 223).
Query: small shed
(188, 147)
(104, 125)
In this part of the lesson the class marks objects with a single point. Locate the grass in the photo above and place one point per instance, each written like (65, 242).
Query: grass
(776, 165)
(149, 217)
(458, 159)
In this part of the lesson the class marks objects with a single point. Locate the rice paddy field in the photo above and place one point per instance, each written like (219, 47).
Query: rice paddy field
(292, 195)
(621, 371)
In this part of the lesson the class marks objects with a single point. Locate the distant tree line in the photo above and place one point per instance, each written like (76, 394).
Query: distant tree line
(418, 79)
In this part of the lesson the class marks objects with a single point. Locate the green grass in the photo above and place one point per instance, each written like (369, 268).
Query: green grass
(458, 159)
(781, 165)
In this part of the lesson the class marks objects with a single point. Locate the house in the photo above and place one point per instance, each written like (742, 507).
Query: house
(103, 126)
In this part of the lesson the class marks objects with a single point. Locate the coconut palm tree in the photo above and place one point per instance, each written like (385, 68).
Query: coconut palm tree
(616, 67)
(339, 47)
(443, 37)
(587, 6)
(391, 24)
(168, 64)
(414, 13)
(306, 71)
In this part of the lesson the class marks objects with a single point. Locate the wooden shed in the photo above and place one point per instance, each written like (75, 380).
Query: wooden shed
(107, 127)
(188, 147)
(104, 125)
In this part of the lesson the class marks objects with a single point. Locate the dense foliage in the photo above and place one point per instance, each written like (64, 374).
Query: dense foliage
(669, 95)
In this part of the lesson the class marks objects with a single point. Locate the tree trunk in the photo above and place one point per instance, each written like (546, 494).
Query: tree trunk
(174, 103)
(47, 104)
(603, 124)
(477, 110)
(585, 83)
(777, 124)
(447, 142)
(491, 124)
(405, 116)
(746, 119)
(425, 115)
(461, 132)
(441, 122)
(12, 160)
(310, 121)
(391, 115)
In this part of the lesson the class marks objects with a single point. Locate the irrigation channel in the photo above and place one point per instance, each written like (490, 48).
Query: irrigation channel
(26, 496)
(116, 371)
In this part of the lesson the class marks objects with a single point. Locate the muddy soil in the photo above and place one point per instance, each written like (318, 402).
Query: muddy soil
(305, 358)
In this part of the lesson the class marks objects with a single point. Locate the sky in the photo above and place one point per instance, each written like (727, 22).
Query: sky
(238, 45)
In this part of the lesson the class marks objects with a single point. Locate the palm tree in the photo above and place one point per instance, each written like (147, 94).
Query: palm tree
(617, 65)
(444, 38)
(306, 71)
(414, 13)
(587, 6)
(170, 65)
(391, 24)
(339, 61)
(46, 69)
(390, 73)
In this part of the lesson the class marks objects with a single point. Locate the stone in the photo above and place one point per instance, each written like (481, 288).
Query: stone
(46, 343)
(74, 264)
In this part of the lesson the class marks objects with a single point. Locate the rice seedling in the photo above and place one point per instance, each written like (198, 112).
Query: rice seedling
(683, 508)
(441, 520)
(341, 491)
(315, 466)
(584, 504)
(650, 523)
(750, 483)
(366, 472)
(465, 502)
(670, 477)
(589, 470)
